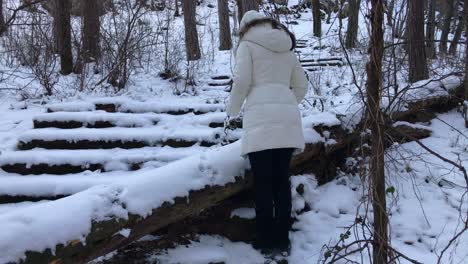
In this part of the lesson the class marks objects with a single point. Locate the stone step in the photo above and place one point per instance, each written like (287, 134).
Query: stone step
(220, 83)
(61, 162)
(68, 120)
(126, 138)
(125, 106)
(221, 77)
(10, 199)
(332, 59)
(17, 188)
(322, 64)
(312, 69)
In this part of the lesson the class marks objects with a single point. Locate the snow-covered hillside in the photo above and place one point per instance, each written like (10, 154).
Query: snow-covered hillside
(89, 153)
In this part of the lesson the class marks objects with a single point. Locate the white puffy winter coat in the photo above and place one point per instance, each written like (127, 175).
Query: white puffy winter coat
(271, 81)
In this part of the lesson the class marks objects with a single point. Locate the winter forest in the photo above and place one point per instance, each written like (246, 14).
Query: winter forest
(115, 145)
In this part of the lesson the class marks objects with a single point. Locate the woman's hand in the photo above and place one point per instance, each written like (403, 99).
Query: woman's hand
(232, 123)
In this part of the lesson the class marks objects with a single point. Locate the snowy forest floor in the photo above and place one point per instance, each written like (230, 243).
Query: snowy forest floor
(426, 204)
(425, 210)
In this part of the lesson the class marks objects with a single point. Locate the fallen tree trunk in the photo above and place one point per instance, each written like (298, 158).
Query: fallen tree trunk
(321, 158)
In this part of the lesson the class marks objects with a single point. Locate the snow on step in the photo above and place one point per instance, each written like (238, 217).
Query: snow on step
(86, 138)
(222, 80)
(51, 187)
(40, 161)
(130, 106)
(221, 77)
(174, 109)
(94, 120)
(322, 64)
(71, 107)
(5, 208)
(68, 120)
(328, 59)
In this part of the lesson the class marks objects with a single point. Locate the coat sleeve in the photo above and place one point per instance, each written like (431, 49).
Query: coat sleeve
(242, 80)
(299, 82)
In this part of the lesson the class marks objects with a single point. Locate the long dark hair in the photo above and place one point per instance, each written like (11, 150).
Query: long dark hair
(274, 24)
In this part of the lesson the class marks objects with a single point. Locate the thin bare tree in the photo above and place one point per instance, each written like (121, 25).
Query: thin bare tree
(191, 34)
(2, 19)
(416, 46)
(63, 34)
(456, 37)
(91, 30)
(240, 13)
(353, 24)
(248, 5)
(390, 8)
(449, 11)
(316, 17)
(176, 14)
(466, 63)
(377, 172)
(225, 41)
(430, 30)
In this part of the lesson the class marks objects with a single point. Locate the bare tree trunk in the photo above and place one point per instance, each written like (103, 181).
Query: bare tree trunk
(191, 34)
(430, 30)
(377, 173)
(2, 19)
(316, 17)
(248, 5)
(225, 41)
(240, 12)
(417, 53)
(390, 8)
(91, 31)
(353, 24)
(466, 63)
(457, 36)
(63, 27)
(176, 14)
(449, 10)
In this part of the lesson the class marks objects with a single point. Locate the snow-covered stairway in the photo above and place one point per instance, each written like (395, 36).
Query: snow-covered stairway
(78, 145)
(311, 62)
(218, 83)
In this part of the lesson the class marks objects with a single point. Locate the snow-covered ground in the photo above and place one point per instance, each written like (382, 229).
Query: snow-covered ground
(425, 207)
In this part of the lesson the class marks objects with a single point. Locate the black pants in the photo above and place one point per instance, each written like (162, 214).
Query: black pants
(272, 188)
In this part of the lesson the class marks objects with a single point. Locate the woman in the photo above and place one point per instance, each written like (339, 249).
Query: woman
(271, 81)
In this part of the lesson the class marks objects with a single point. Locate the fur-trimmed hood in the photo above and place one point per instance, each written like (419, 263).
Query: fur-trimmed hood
(267, 33)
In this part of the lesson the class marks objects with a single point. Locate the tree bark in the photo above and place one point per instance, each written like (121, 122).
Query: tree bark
(191, 34)
(248, 5)
(316, 17)
(353, 24)
(177, 14)
(449, 10)
(466, 63)
(430, 30)
(91, 31)
(240, 13)
(417, 53)
(377, 173)
(225, 41)
(2, 19)
(63, 27)
(390, 8)
(457, 36)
